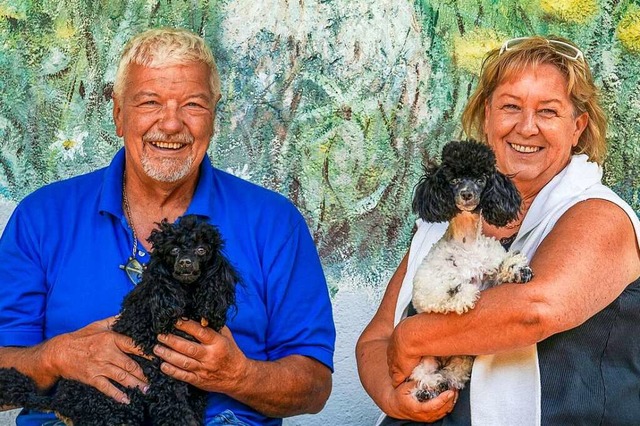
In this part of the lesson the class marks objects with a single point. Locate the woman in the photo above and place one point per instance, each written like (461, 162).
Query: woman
(566, 344)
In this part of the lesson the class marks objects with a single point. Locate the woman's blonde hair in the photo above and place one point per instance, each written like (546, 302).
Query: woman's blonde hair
(512, 59)
(166, 47)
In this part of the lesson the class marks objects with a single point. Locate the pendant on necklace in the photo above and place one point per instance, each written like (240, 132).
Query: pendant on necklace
(134, 270)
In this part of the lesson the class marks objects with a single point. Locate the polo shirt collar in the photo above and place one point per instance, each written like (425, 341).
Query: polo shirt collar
(111, 192)
(202, 201)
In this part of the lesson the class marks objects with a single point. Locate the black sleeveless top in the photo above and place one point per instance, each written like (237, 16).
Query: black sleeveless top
(589, 375)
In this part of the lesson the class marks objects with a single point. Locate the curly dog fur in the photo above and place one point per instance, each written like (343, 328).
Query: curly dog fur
(465, 188)
(187, 277)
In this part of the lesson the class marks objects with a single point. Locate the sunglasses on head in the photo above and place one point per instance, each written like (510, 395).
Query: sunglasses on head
(567, 50)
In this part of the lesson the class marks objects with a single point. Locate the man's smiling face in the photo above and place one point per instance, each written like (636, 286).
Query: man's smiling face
(165, 116)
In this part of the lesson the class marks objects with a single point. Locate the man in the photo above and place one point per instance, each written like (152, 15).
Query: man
(71, 249)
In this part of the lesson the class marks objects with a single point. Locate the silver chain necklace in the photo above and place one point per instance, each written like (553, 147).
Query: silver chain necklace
(133, 267)
(127, 211)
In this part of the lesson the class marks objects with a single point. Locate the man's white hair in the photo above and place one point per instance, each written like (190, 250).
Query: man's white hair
(161, 47)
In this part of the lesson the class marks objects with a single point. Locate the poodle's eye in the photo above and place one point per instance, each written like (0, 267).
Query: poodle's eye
(455, 181)
(481, 180)
(174, 251)
(201, 251)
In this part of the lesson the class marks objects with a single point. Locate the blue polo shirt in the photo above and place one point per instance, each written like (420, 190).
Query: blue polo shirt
(64, 243)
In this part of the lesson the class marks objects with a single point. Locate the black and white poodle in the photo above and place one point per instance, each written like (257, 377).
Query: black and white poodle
(187, 277)
(463, 190)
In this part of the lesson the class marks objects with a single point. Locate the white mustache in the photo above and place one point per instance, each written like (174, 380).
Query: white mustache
(156, 136)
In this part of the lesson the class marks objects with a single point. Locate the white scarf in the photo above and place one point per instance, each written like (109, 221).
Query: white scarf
(505, 388)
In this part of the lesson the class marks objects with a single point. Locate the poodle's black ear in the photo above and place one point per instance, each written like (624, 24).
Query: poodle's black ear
(433, 198)
(161, 234)
(217, 294)
(500, 201)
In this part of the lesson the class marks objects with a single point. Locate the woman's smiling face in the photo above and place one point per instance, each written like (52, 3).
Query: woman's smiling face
(531, 125)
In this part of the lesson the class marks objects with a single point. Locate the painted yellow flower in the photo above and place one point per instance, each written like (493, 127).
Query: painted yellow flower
(576, 11)
(469, 49)
(8, 11)
(69, 144)
(64, 29)
(628, 30)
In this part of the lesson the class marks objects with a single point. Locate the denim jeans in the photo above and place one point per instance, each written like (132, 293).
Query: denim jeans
(225, 418)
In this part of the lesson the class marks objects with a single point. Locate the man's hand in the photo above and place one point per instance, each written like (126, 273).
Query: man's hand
(213, 363)
(289, 386)
(95, 355)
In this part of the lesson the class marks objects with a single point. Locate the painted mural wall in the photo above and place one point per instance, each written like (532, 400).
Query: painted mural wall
(333, 103)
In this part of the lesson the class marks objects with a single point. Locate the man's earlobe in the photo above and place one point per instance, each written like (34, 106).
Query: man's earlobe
(117, 117)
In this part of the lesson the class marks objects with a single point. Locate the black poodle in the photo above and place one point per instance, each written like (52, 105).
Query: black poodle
(187, 277)
(462, 191)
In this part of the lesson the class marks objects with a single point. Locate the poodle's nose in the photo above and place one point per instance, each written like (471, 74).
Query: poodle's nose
(466, 195)
(185, 263)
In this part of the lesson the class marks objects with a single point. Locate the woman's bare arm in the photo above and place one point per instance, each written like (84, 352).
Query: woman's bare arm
(371, 355)
(584, 263)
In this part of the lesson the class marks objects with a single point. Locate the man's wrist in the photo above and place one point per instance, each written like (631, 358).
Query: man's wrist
(246, 374)
(46, 356)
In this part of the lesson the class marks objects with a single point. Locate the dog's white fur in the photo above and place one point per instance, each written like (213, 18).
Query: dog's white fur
(449, 279)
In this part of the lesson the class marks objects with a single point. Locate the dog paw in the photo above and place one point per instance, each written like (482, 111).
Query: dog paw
(523, 275)
(514, 269)
(422, 395)
(428, 378)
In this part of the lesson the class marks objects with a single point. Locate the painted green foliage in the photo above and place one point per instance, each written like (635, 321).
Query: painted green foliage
(334, 103)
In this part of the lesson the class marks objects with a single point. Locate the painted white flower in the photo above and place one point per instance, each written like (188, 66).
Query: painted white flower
(347, 33)
(69, 145)
(6, 208)
(4, 123)
(241, 172)
(55, 61)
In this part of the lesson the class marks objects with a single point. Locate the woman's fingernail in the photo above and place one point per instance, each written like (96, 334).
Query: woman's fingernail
(124, 399)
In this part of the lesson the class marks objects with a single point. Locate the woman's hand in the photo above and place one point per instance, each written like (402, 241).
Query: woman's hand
(400, 362)
(380, 350)
(401, 404)
(95, 355)
(401, 400)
